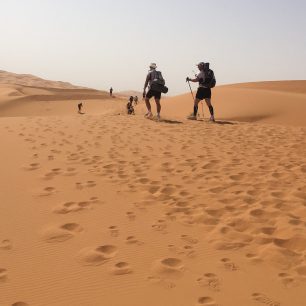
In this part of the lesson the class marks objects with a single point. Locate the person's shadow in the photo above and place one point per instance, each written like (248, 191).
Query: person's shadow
(222, 122)
(169, 121)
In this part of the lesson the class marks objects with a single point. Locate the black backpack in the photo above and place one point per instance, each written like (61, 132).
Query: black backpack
(210, 80)
(158, 83)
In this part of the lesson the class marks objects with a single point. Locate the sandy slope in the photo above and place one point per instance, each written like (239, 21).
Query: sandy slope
(17, 100)
(31, 80)
(106, 209)
(270, 102)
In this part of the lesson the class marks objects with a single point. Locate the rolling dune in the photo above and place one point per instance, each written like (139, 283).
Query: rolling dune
(282, 102)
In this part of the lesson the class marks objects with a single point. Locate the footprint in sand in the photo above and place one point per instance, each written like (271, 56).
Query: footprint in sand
(70, 207)
(97, 256)
(263, 299)
(121, 268)
(253, 258)
(20, 304)
(3, 275)
(210, 280)
(61, 233)
(5, 245)
(229, 265)
(186, 250)
(287, 280)
(88, 184)
(131, 216)
(70, 172)
(47, 191)
(114, 231)
(160, 225)
(189, 239)
(32, 167)
(206, 300)
(133, 240)
(168, 267)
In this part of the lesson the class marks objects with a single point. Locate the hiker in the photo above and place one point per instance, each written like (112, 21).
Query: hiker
(80, 105)
(154, 80)
(206, 81)
(136, 100)
(111, 91)
(129, 107)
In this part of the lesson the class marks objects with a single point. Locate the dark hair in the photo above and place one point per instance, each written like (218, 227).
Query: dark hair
(206, 65)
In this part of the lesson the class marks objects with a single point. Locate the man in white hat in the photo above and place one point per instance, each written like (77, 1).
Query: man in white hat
(204, 91)
(151, 76)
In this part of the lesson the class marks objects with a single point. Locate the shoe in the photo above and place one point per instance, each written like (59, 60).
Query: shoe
(192, 117)
(158, 117)
(149, 115)
(212, 119)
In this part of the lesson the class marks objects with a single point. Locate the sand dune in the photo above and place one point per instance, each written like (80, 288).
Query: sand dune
(17, 100)
(31, 80)
(110, 209)
(282, 102)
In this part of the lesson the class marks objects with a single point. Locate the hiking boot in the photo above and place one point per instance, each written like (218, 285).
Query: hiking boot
(192, 117)
(149, 115)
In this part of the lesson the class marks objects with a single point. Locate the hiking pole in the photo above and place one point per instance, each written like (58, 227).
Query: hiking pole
(193, 98)
(191, 90)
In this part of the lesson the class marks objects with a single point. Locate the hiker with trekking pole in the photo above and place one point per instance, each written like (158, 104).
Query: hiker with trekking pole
(206, 80)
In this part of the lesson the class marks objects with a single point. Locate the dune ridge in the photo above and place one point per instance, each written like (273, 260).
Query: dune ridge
(31, 80)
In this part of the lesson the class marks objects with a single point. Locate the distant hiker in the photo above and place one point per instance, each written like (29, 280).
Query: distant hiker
(80, 105)
(136, 100)
(156, 84)
(206, 79)
(111, 91)
(129, 107)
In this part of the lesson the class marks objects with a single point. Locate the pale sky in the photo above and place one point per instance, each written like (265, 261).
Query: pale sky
(99, 43)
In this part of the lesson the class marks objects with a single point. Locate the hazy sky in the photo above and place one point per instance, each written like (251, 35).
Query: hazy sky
(99, 43)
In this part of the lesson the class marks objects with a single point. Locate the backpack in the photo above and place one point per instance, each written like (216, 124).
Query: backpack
(158, 83)
(210, 80)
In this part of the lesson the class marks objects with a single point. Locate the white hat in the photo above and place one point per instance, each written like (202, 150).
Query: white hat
(153, 66)
(201, 64)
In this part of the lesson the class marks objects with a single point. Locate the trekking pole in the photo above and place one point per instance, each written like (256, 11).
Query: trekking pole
(191, 90)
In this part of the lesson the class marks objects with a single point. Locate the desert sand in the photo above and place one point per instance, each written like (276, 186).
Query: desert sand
(109, 209)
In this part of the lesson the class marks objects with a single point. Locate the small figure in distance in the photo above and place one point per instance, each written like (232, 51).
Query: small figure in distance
(206, 80)
(80, 106)
(111, 91)
(136, 100)
(129, 106)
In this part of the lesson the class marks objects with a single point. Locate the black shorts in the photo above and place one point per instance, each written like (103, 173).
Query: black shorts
(153, 93)
(203, 93)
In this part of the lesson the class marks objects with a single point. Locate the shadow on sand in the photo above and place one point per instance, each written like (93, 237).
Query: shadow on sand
(169, 121)
(223, 122)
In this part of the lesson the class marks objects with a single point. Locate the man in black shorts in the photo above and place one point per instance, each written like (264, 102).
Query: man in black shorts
(152, 75)
(203, 93)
